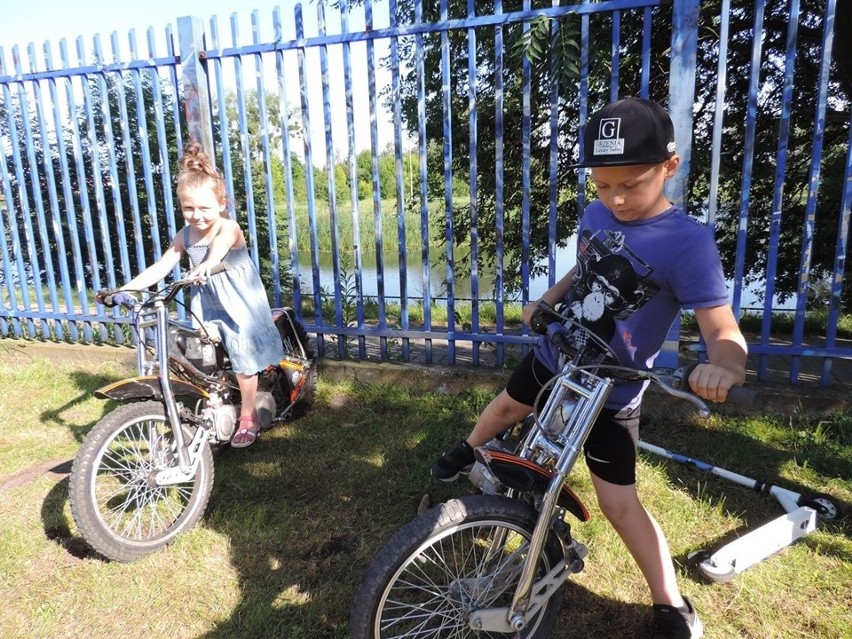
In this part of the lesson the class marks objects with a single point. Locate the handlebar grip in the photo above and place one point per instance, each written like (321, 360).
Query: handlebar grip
(116, 297)
(742, 396)
(541, 318)
(124, 299)
(558, 334)
(192, 281)
(737, 395)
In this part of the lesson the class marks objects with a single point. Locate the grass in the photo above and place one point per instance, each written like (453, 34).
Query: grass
(294, 520)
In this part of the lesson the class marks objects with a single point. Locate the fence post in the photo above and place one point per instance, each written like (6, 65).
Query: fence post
(682, 90)
(194, 83)
(681, 98)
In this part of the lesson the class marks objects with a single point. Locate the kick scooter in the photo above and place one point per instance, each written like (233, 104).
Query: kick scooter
(802, 514)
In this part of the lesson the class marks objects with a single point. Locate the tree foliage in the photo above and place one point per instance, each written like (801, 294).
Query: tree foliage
(107, 182)
(551, 48)
(545, 56)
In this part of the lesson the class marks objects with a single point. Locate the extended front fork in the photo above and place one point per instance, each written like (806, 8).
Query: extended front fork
(590, 393)
(187, 456)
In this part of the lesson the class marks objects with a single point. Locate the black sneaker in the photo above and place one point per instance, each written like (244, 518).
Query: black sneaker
(674, 623)
(455, 461)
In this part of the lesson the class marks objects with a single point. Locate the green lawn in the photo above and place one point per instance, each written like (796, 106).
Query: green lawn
(295, 519)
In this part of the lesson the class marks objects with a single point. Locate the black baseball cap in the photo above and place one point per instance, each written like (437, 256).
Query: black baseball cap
(628, 131)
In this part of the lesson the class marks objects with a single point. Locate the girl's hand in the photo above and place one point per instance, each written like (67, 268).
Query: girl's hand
(200, 272)
(527, 312)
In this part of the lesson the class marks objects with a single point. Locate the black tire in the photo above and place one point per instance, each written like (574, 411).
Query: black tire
(294, 337)
(116, 506)
(308, 390)
(414, 586)
(825, 505)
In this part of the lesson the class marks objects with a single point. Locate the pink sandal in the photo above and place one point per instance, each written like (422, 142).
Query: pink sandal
(250, 431)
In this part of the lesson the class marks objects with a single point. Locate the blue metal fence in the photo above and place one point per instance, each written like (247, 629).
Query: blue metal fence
(89, 146)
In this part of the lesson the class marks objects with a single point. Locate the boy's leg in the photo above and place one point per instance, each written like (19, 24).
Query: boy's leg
(643, 538)
(512, 405)
(611, 457)
(499, 415)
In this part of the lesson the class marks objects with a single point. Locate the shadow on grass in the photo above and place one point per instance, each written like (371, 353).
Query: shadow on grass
(346, 478)
(307, 506)
(87, 383)
(55, 524)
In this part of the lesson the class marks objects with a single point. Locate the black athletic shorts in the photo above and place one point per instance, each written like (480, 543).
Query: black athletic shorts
(611, 446)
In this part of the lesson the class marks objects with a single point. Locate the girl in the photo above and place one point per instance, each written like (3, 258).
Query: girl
(233, 301)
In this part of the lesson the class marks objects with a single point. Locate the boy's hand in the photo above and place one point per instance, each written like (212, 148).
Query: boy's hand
(712, 382)
(527, 312)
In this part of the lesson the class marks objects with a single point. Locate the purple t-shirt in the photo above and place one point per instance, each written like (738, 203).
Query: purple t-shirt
(632, 279)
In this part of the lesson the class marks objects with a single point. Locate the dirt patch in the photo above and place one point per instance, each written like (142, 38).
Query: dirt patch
(56, 468)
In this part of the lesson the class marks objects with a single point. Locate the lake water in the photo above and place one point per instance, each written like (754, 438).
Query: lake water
(438, 273)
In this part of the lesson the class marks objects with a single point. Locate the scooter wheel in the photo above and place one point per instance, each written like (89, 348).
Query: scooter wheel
(826, 507)
(716, 574)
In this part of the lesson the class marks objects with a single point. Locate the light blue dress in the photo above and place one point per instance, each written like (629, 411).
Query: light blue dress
(235, 302)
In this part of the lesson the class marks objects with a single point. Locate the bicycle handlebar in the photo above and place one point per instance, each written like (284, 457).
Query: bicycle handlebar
(548, 321)
(127, 300)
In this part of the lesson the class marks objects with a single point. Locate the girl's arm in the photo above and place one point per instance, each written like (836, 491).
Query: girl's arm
(159, 269)
(230, 235)
(726, 352)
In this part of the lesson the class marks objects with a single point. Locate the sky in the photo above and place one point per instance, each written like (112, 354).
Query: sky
(70, 19)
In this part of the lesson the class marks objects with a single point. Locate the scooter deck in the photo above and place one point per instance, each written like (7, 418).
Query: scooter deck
(758, 544)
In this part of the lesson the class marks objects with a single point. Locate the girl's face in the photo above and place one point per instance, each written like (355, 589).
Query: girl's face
(634, 192)
(201, 206)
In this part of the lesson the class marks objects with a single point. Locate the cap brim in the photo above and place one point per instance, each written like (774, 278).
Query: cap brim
(620, 162)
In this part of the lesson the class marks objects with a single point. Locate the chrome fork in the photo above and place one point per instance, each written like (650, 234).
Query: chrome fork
(590, 392)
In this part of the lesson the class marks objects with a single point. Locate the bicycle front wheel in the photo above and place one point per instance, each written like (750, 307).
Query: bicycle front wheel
(462, 556)
(117, 505)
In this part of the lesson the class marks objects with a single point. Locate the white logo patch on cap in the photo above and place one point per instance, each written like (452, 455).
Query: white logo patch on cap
(609, 141)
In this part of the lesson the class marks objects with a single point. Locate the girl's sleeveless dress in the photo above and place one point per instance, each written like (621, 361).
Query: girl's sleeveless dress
(235, 302)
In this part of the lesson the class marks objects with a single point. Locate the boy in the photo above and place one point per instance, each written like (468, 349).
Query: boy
(639, 260)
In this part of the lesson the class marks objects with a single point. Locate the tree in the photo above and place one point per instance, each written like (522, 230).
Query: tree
(124, 197)
(251, 161)
(769, 109)
(561, 45)
(552, 47)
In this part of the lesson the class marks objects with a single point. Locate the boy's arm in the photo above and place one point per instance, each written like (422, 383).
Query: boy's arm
(726, 352)
(552, 296)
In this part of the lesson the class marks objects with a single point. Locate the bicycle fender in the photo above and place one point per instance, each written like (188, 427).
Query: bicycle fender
(527, 476)
(146, 387)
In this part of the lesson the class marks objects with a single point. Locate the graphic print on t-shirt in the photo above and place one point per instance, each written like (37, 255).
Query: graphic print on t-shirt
(610, 284)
